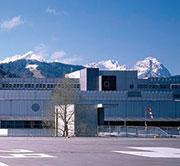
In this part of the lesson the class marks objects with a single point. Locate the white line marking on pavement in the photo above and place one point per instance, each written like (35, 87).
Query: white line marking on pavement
(22, 153)
(16, 151)
(32, 155)
(2, 164)
(154, 152)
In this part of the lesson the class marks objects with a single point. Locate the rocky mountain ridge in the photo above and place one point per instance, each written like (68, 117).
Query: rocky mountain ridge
(149, 67)
(32, 65)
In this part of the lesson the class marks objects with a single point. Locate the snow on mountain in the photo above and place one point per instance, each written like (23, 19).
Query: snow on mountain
(28, 56)
(34, 70)
(151, 67)
(31, 66)
(107, 65)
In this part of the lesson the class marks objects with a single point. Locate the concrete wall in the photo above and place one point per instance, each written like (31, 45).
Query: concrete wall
(123, 79)
(89, 79)
(136, 109)
(18, 104)
(86, 120)
(31, 132)
(118, 104)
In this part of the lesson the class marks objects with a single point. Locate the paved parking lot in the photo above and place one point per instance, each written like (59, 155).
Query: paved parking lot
(37, 151)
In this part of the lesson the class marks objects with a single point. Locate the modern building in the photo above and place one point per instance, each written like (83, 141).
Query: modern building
(112, 97)
(120, 98)
(26, 103)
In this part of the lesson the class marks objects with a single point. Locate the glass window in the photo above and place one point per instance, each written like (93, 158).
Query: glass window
(141, 86)
(131, 86)
(3, 124)
(19, 124)
(27, 124)
(10, 124)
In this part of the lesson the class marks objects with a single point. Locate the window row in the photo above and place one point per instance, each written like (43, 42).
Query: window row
(175, 86)
(21, 124)
(49, 86)
(143, 86)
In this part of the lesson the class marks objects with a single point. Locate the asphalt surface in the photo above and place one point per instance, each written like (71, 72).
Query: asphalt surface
(94, 151)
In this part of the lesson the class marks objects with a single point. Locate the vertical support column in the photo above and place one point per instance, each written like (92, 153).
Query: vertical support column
(56, 121)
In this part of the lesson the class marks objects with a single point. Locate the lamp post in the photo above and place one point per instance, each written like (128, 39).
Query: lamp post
(145, 120)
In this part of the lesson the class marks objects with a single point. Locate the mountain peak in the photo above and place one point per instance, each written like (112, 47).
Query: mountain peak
(151, 67)
(107, 65)
(28, 56)
(151, 59)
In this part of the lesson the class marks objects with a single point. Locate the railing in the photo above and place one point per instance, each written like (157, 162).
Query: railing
(126, 131)
(137, 131)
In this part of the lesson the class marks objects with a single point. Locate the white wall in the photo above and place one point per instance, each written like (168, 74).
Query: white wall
(70, 114)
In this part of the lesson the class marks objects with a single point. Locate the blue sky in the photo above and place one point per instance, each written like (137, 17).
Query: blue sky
(84, 31)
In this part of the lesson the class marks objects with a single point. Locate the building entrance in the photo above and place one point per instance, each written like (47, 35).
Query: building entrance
(100, 116)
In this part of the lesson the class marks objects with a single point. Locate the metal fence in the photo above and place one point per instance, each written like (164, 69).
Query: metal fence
(137, 131)
(126, 131)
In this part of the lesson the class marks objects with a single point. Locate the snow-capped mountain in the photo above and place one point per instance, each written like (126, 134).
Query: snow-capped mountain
(32, 65)
(107, 65)
(151, 67)
(28, 56)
